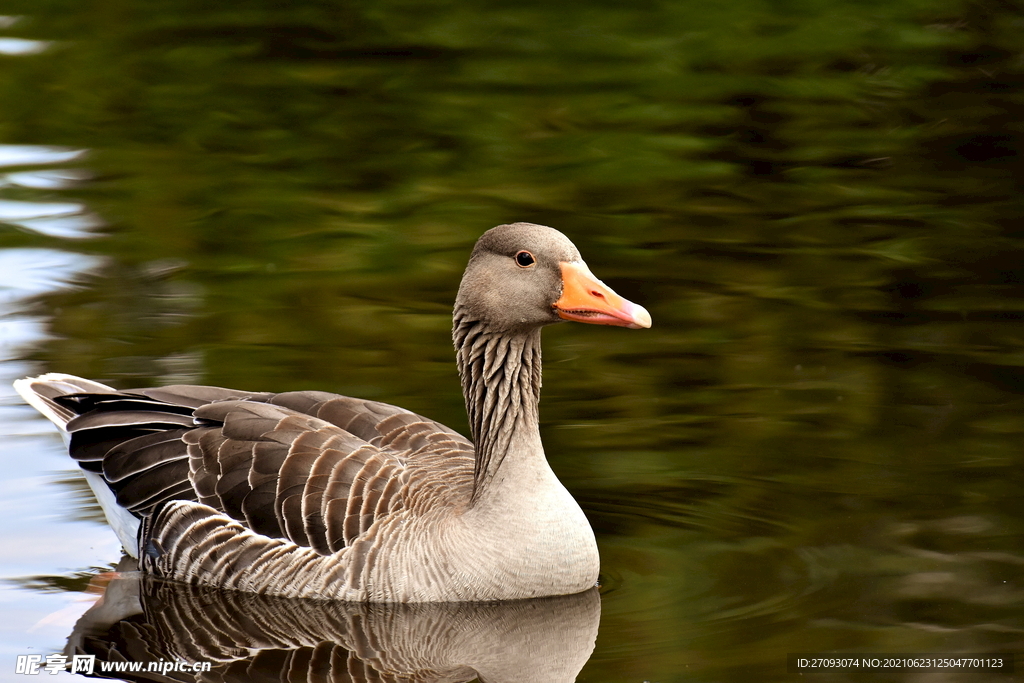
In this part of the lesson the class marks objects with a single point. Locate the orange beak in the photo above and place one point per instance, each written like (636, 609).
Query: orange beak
(586, 299)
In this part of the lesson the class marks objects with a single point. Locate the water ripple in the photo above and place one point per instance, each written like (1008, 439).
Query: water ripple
(30, 271)
(59, 179)
(25, 155)
(22, 46)
(65, 220)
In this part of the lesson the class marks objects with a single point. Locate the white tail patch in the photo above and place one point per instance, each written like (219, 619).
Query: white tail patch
(124, 523)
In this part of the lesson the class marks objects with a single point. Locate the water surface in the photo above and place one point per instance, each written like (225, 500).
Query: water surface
(817, 447)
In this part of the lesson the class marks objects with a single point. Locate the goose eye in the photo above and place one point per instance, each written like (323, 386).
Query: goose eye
(524, 259)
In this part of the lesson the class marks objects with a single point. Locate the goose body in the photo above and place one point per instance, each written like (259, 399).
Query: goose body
(310, 494)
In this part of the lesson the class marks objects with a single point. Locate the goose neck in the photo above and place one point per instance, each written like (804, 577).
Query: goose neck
(501, 379)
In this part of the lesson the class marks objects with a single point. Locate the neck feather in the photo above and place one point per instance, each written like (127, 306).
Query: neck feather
(501, 377)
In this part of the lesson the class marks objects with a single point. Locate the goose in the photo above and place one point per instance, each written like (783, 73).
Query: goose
(309, 494)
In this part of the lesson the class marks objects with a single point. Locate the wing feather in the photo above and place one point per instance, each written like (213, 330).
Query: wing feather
(137, 455)
(313, 497)
(140, 492)
(314, 468)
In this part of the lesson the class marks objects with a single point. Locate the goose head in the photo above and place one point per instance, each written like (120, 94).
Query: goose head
(523, 276)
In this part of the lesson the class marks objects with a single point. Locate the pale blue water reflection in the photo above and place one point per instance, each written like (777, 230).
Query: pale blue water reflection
(39, 495)
(44, 530)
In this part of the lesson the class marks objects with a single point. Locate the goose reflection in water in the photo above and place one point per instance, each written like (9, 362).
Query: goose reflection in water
(250, 637)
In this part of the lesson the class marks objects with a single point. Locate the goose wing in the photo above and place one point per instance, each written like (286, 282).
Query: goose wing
(314, 468)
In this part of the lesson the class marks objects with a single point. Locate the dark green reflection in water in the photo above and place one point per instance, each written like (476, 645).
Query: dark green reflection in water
(817, 446)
